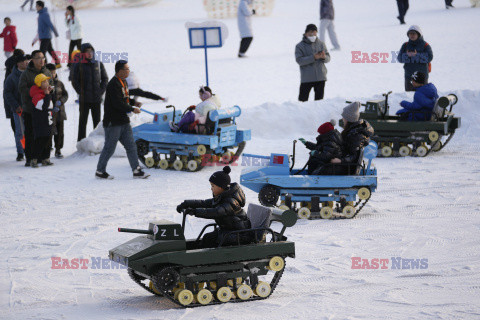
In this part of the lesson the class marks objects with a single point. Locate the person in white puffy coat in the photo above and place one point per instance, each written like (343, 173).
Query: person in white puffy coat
(244, 17)
(74, 32)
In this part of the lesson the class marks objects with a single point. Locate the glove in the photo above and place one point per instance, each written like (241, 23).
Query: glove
(180, 207)
(302, 140)
(253, 11)
(165, 99)
(58, 103)
(312, 153)
(56, 109)
(190, 211)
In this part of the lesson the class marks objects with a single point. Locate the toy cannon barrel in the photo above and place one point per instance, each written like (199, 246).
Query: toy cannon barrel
(448, 100)
(287, 217)
(363, 104)
(135, 231)
(219, 114)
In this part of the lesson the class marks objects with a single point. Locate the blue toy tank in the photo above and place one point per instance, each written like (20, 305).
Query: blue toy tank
(159, 147)
(313, 196)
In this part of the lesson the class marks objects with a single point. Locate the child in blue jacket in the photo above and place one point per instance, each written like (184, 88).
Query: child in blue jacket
(423, 101)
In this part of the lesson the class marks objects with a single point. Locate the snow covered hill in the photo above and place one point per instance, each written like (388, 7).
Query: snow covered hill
(424, 208)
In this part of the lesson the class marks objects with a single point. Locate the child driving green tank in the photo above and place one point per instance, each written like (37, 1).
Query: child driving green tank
(226, 208)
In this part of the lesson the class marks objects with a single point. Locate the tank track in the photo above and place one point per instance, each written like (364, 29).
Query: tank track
(170, 296)
(138, 280)
(395, 153)
(236, 156)
(338, 215)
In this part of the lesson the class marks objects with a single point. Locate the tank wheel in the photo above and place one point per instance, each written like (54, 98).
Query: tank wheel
(238, 281)
(204, 296)
(405, 151)
(142, 147)
(433, 136)
(276, 264)
(263, 289)
(386, 151)
(437, 146)
(149, 162)
(304, 213)
(326, 213)
(152, 287)
(224, 294)
(349, 211)
(213, 285)
(178, 165)
(328, 204)
(201, 149)
(268, 196)
(421, 151)
(244, 292)
(165, 279)
(283, 207)
(185, 297)
(180, 286)
(192, 165)
(163, 164)
(364, 193)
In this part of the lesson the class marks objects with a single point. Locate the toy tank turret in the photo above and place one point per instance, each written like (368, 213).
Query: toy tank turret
(164, 263)
(396, 137)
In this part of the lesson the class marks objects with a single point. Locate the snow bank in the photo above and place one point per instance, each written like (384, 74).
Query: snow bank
(278, 121)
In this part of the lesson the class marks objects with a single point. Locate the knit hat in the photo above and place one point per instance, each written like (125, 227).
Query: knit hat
(40, 78)
(416, 29)
(20, 58)
(418, 77)
(50, 66)
(311, 27)
(327, 127)
(221, 178)
(351, 112)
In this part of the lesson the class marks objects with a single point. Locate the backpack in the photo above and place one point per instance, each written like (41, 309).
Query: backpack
(429, 64)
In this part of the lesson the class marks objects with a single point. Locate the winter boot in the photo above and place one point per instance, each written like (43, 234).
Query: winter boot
(33, 163)
(58, 154)
(103, 175)
(20, 157)
(173, 126)
(46, 162)
(139, 174)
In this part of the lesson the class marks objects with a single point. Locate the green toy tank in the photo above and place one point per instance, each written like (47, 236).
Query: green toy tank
(164, 263)
(399, 138)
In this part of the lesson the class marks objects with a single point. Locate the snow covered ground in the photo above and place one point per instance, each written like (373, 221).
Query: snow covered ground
(424, 208)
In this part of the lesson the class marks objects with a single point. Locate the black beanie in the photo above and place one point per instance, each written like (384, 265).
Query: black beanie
(418, 77)
(221, 178)
(311, 27)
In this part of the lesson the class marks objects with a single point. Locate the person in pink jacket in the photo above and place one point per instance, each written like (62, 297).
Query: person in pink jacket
(9, 35)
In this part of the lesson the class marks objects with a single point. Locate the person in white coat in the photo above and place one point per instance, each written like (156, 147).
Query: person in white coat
(74, 32)
(327, 14)
(244, 18)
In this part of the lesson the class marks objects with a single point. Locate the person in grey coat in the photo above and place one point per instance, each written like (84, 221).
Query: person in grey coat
(244, 17)
(327, 14)
(13, 101)
(311, 55)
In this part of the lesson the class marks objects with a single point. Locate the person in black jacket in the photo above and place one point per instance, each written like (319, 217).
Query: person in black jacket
(226, 208)
(328, 146)
(117, 123)
(90, 82)
(403, 6)
(9, 65)
(356, 134)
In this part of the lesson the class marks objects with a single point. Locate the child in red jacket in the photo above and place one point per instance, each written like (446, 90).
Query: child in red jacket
(9, 36)
(42, 121)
